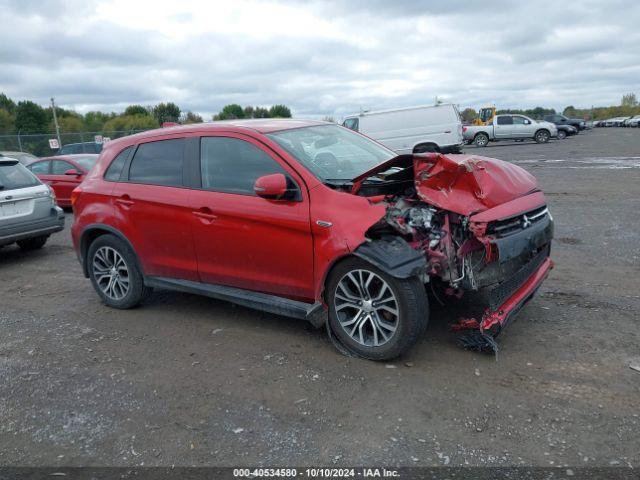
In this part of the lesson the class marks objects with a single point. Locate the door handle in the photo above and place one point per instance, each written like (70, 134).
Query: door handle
(125, 201)
(205, 214)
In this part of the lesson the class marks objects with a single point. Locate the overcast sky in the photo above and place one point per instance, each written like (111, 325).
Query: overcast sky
(320, 58)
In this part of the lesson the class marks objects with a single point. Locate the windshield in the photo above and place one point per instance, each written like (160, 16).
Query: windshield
(14, 176)
(331, 152)
(87, 162)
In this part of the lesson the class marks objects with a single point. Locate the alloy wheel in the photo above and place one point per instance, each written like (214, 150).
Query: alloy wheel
(111, 273)
(367, 308)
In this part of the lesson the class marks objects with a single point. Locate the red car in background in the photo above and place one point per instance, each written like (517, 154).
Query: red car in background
(314, 221)
(63, 173)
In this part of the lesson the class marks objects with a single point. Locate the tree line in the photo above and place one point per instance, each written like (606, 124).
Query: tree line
(628, 107)
(27, 117)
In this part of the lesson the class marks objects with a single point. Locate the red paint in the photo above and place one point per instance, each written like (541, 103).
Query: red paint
(281, 245)
(63, 183)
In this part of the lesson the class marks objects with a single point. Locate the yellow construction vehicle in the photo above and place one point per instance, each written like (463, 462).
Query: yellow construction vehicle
(485, 115)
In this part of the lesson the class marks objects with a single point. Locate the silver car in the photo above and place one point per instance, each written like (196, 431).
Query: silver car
(28, 210)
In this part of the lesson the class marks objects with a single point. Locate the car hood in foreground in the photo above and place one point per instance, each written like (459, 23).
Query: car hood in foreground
(464, 184)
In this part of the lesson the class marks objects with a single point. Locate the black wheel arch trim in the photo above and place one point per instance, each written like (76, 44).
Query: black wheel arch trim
(84, 246)
(394, 256)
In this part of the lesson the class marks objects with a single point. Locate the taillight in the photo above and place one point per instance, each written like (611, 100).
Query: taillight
(75, 194)
(464, 129)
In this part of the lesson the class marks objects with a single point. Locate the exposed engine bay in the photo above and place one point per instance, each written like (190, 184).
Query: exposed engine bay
(494, 244)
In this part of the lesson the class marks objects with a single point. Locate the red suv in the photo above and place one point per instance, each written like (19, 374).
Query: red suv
(314, 221)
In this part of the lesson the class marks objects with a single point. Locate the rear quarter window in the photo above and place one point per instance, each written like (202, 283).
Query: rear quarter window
(114, 172)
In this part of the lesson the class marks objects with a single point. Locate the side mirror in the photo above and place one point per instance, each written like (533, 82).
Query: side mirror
(273, 186)
(73, 171)
(527, 122)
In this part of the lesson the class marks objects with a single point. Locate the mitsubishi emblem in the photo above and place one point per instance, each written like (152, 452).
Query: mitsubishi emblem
(525, 222)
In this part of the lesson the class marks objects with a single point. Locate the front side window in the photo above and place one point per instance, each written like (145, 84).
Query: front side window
(519, 120)
(158, 163)
(233, 165)
(505, 120)
(351, 123)
(14, 176)
(39, 168)
(87, 162)
(331, 152)
(59, 167)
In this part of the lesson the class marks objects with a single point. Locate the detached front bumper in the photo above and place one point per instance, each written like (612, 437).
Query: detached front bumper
(493, 321)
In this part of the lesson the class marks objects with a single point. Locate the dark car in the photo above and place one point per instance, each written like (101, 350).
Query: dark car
(84, 147)
(63, 173)
(558, 119)
(314, 221)
(565, 131)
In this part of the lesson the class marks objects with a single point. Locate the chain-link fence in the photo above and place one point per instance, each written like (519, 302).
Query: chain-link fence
(38, 144)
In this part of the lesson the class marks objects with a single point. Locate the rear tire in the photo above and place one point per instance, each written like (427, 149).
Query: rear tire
(34, 243)
(362, 300)
(481, 140)
(114, 273)
(426, 148)
(542, 136)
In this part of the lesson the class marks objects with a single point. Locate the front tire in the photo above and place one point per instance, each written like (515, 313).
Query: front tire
(34, 243)
(373, 314)
(481, 140)
(114, 273)
(542, 136)
(562, 134)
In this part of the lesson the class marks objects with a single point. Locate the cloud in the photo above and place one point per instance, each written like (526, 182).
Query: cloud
(320, 58)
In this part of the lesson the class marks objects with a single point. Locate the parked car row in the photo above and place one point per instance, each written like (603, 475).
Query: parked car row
(633, 121)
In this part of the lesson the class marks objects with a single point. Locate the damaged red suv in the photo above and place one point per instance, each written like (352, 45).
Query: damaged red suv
(313, 221)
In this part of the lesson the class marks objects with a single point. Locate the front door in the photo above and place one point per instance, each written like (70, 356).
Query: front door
(243, 240)
(503, 127)
(62, 183)
(152, 208)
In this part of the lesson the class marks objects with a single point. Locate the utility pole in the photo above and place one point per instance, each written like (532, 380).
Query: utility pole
(55, 122)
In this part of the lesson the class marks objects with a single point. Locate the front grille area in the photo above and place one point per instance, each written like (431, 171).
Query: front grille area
(509, 226)
(499, 294)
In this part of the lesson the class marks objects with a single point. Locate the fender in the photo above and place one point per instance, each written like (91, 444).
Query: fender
(393, 255)
(107, 228)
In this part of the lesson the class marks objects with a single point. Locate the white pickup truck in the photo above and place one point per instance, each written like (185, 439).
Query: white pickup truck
(509, 127)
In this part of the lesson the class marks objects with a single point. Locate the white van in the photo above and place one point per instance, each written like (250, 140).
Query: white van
(435, 128)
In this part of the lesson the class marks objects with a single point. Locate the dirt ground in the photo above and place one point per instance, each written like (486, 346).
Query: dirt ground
(187, 380)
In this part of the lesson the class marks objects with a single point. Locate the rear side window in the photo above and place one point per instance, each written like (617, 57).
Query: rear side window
(158, 163)
(233, 165)
(114, 171)
(505, 120)
(351, 123)
(16, 176)
(41, 168)
(58, 167)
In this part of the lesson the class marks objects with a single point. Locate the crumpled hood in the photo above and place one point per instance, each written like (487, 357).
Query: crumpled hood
(464, 184)
(468, 184)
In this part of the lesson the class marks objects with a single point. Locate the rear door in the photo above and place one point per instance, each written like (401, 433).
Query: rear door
(152, 209)
(41, 169)
(503, 127)
(243, 240)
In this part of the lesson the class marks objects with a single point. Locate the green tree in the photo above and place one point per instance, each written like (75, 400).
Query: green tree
(93, 121)
(629, 100)
(68, 124)
(260, 112)
(129, 123)
(230, 112)
(279, 111)
(166, 112)
(7, 122)
(136, 110)
(6, 103)
(30, 117)
(468, 115)
(191, 117)
(248, 111)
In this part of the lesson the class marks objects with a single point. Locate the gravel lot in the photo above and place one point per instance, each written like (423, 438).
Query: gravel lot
(187, 380)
